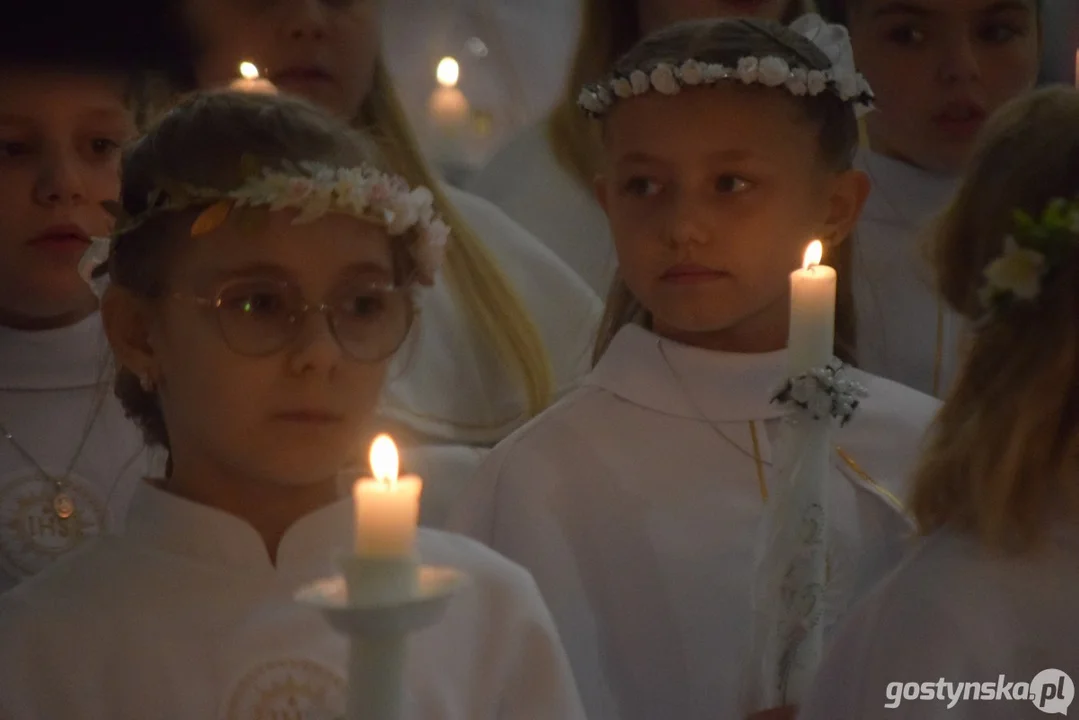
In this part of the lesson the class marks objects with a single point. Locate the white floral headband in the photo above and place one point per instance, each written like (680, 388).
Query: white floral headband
(1031, 252)
(312, 188)
(841, 78)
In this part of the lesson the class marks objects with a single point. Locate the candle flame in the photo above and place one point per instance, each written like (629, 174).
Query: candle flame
(448, 72)
(385, 463)
(249, 71)
(813, 255)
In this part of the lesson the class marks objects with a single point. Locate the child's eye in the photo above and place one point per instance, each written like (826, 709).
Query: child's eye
(103, 146)
(730, 184)
(642, 186)
(14, 148)
(999, 32)
(906, 35)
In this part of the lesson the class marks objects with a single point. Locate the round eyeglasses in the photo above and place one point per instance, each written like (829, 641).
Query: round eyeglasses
(259, 317)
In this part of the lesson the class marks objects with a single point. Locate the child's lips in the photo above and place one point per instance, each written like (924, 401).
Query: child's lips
(961, 120)
(691, 274)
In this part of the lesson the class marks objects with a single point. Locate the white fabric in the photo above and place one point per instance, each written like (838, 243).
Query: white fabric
(894, 292)
(185, 617)
(525, 180)
(449, 386)
(958, 612)
(638, 519)
(50, 383)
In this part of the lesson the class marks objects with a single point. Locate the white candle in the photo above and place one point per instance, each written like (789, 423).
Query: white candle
(249, 81)
(812, 323)
(387, 507)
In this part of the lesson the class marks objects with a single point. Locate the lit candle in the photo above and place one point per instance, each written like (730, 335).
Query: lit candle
(387, 507)
(448, 107)
(249, 80)
(812, 323)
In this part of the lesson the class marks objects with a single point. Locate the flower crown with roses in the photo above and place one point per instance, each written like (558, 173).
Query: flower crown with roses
(312, 188)
(1036, 247)
(841, 78)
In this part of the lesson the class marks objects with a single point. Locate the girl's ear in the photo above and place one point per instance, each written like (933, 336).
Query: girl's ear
(849, 193)
(127, 319)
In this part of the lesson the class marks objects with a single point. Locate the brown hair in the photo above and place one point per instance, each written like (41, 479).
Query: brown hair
(609, 29)
(1001, 457)
(203, 142)
(725, 41)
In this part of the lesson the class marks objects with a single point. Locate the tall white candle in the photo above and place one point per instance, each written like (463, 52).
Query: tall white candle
(812, 323)
(249, 81)
(387, 507)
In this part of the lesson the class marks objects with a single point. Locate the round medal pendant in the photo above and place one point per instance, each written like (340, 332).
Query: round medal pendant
(63, 505)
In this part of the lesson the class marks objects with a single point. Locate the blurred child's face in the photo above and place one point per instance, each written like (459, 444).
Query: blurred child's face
(712, 196)
(939, 68)
(243, 392)
(321, 50)
(656, 14)
(60, 139)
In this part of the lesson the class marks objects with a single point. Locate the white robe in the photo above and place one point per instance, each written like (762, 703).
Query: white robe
(526, 181)
(958, 612)
(639, 520)
(450, 390)
(184, 617)
(897, 303)
(50, 383)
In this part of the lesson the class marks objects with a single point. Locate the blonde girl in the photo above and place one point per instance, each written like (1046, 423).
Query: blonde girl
(553, 164)
(990, 592)
(636, 502)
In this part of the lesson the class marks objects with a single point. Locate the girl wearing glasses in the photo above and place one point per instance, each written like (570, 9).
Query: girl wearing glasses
(264, 274)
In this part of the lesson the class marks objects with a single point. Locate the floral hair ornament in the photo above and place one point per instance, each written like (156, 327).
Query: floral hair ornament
(314, 189)
(841, 79)
(1034, 249)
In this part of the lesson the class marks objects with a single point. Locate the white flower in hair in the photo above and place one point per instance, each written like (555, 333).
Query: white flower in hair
(692, 73)
(799, 82)
(1017, 272)
(833, 40)
(590, 102)
(748, 68)
(622, 88)
(664, 81)
(640, 82)
(773, 71)
(816, 82)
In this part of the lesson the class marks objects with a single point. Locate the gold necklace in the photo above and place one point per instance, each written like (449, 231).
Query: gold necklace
(758, 461)
(63, 503)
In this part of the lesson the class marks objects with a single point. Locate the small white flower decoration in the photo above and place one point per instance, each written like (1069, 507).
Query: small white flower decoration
(773, 71)
(663, 80)
(799, 82)
(622, 88)
(816, 82)
(590, 102)
(1017, 272)
(691, 72)
(823, 393)
(748, 68)
(640, 82)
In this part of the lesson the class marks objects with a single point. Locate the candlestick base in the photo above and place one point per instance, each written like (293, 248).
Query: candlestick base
(378, 604)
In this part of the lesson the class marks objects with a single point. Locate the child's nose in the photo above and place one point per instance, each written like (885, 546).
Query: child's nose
(60, 180)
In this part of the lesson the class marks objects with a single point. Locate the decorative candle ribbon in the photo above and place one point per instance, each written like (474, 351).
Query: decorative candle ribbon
(792, 571)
